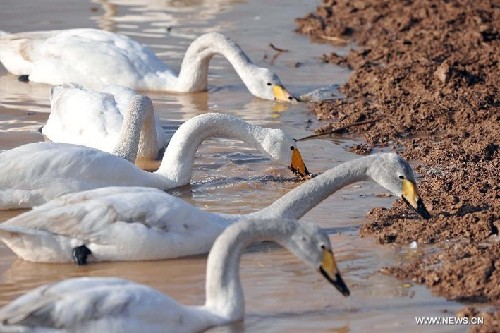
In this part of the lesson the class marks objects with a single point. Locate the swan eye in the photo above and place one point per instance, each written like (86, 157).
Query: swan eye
(322, 246)
(269, 84)
(292, 148)
(401, 177)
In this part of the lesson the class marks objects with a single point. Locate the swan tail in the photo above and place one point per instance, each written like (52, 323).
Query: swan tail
(29, 306)
(10, 232)
(36, 245)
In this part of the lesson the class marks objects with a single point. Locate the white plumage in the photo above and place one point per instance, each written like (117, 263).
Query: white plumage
(35, 173)
(96, 58)
(136, 223)
(115, 305)
(96, 118)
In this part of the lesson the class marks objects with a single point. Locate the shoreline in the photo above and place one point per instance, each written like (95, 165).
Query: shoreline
(425, 83)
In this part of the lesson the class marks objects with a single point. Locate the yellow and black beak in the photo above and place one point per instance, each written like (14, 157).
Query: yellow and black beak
(329, 270)
(412, 198)
(297, 165)
(282, 95)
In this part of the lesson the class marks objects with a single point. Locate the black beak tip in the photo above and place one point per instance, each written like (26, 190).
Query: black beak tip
(337, 282)
(306, 174)
(341, 286)
(422, 210)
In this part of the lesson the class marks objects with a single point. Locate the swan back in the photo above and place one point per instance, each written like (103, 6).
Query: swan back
(98, 119)
(97, 305)
(86, 117)
(91, 57)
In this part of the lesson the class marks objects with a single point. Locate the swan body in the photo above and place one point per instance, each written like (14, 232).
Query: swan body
(117, 305)
(96, 58)
(136, 223)
(34, 173)
(95, 119)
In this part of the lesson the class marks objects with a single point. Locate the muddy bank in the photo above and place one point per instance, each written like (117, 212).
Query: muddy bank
(426, 83)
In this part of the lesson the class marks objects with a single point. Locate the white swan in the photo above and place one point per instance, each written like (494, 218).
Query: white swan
(94, 119)
(117, 305)
(136, 223)
(35, 173)
(95, 58)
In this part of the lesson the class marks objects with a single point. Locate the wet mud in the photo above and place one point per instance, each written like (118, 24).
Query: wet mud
(426, 84)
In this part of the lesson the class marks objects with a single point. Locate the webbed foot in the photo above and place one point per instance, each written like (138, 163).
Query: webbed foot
(80, 254)
(24, 78)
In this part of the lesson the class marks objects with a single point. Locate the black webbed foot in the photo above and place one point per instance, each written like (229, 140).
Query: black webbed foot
(24, 78)
(80, 254)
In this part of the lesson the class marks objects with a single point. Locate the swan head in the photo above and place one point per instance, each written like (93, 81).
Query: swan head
(395, 174)
(265, 84)
(283, 149)
(312, 245)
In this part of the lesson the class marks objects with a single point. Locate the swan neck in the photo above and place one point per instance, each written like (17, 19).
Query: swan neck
(178, 160)
(303, 198)
(224, 293)
(193, 74)
(148, 142)
(128, 140)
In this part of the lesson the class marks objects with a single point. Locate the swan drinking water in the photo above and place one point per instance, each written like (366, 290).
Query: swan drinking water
(117, 305)
(95, 119)
(96, 58)
(136, 223)
(35, 173)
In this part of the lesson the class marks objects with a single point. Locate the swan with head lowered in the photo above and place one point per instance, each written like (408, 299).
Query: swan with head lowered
(137, 223)
(117, 305)
(96, 119)
(35, 173)
(96, 58)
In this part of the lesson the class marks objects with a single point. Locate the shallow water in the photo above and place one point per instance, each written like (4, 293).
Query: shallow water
(282, 295)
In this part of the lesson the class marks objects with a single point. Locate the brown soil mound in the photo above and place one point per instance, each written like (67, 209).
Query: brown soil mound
(426, 82)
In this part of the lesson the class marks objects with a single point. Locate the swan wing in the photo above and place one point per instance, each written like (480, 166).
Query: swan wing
(85, 214)
(86, 117)
(113, 304)
(38, 172)
(103, 58)
(115, 223)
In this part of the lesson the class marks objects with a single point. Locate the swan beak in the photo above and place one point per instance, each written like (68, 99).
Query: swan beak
(282, 95)
(411, 197)
(298, 166)
(329, 270)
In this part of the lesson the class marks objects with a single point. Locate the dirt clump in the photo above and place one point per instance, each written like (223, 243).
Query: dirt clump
(426, 83)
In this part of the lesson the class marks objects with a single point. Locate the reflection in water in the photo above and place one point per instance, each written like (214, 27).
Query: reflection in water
(156, 18)
(105, 21)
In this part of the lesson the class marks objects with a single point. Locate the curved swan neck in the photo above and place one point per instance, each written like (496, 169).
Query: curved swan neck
(302, 199)
(130, 132)
(178, 160)
(223, 286)
(194, 69)
(148, 142)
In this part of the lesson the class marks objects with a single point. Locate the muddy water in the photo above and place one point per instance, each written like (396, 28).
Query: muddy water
(281, 294)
